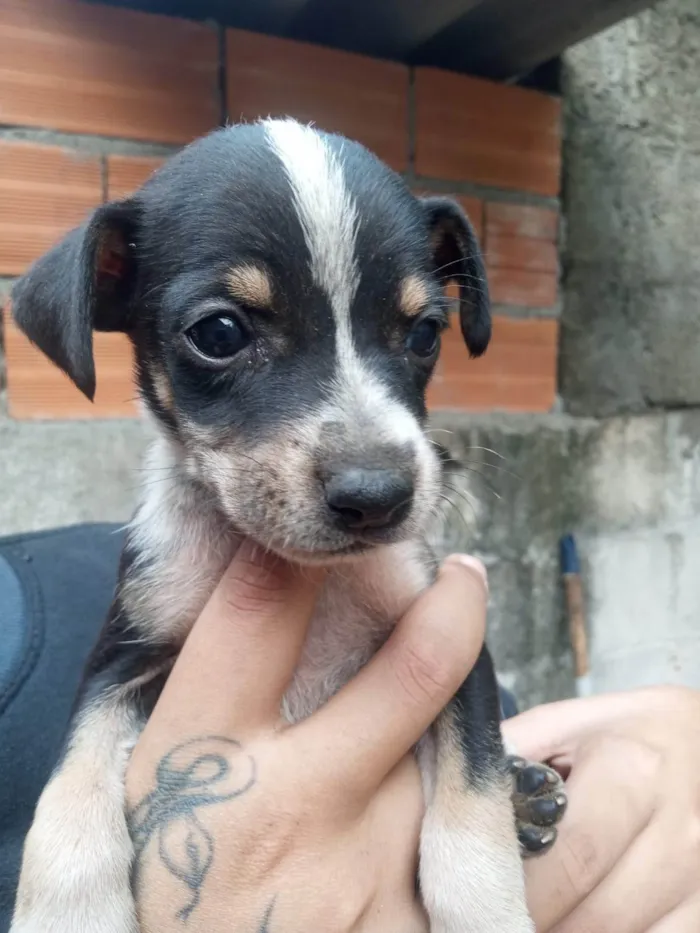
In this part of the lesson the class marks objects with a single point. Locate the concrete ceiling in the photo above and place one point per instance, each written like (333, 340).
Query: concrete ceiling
(499, 39)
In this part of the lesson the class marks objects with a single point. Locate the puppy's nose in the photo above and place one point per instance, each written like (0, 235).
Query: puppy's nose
(363, 499)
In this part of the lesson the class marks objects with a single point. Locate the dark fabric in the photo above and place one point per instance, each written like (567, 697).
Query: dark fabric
(55, 590)
(509, 705)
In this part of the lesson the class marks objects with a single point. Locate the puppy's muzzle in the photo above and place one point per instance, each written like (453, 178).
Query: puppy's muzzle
(364, 499)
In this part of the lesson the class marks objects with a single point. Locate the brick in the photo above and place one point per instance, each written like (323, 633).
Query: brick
(518, 372)
(36, 389)
(513, 252)
(45, 191)
(89, 68)
(362, 98)
(492, 134)
(127, 173)
(521, 220)
(522, 288)
(521, 254)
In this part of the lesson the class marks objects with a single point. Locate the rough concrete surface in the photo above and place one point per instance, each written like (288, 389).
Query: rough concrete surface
(58, 473)
(631, 308)
(645, 604)
(629, 488)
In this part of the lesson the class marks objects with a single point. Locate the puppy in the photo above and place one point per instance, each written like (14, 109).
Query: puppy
(283, 292)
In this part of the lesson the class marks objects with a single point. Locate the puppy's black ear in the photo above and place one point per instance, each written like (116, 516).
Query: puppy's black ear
(83, 283)
(458, 258)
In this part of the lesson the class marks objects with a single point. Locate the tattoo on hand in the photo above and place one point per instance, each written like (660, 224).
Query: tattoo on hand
(265, 928)
(196, 774)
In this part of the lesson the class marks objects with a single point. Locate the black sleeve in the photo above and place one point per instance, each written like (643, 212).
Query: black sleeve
(55, 589)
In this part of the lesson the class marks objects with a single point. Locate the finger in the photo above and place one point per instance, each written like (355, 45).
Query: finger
(241, 653)
(641, 888)
(611, 794)
(555, 729)
(377, 718)
(684, 919)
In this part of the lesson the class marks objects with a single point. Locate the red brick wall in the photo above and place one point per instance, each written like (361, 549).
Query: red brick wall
(108, 79)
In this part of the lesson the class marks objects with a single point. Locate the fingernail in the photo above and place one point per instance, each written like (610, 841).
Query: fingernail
(471, 563)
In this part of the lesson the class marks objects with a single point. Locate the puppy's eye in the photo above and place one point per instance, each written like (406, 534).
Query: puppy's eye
(423, 339)
(219, 337)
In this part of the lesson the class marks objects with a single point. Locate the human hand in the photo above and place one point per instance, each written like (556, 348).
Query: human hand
(249, 824)
(627, 858)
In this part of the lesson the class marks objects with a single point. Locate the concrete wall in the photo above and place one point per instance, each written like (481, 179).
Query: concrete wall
(631, 325)
(59, 473)
(630, 490)
(631, 334)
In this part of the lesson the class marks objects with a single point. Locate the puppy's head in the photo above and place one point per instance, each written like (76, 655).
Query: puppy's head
(284, 294)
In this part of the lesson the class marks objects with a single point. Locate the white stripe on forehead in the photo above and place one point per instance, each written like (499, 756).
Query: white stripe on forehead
(326, 210)
(329, 219)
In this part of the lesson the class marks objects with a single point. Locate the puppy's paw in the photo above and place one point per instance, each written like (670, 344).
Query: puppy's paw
(539, 802)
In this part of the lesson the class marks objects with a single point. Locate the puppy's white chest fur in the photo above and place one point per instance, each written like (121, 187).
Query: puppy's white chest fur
(184, 546)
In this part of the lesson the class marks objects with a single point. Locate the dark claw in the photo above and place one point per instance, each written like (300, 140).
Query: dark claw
(535, 841)
(531, 780)
(547, 811)
(540, 811)
(515, 763)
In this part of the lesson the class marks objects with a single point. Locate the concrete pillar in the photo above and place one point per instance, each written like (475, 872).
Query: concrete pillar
(631, 321)
(631, 335)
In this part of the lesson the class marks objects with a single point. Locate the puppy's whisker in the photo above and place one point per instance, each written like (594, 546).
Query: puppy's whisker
(492, 466)
(150, 292)
(149, 471)
(465, 496)
(455, 262)
(458, 464)
(484, 481)
(466, 275)
(487, 450)
(454, 509)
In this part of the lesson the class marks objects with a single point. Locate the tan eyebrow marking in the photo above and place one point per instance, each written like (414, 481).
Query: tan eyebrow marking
(413, 295)
(251, 285)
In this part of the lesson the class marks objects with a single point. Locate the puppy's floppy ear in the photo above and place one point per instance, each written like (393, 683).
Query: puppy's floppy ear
(458, 257)
(83, 283)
